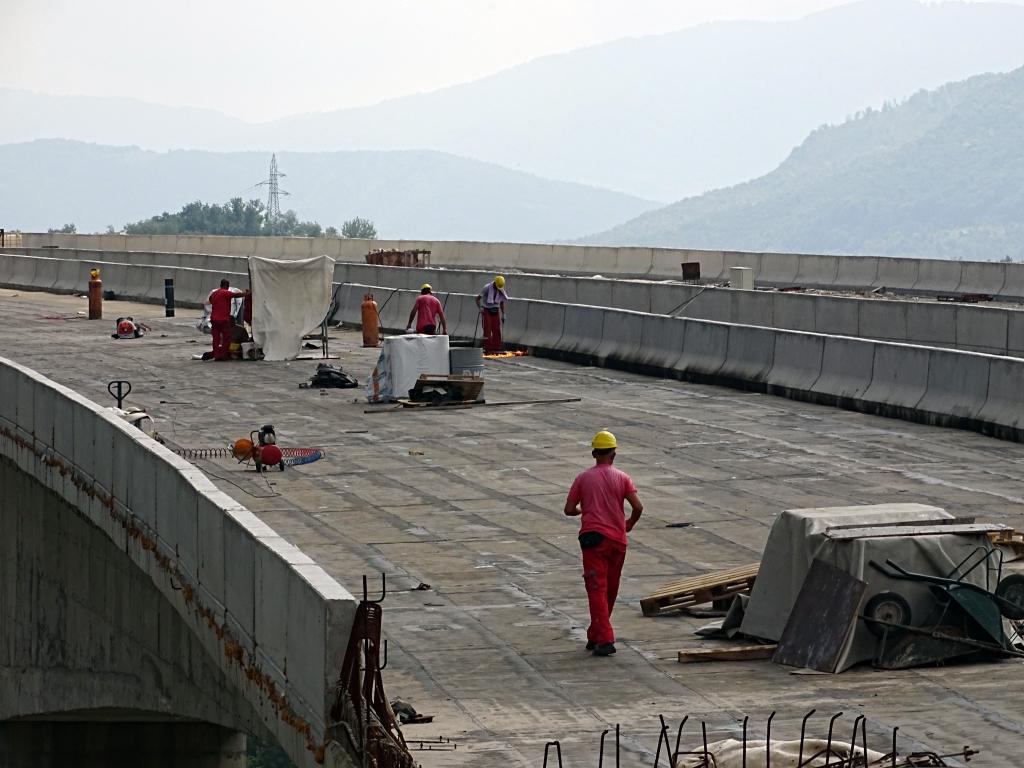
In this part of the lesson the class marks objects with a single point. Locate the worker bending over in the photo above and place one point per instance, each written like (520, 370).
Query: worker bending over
(491, 301)
(597, 496)
(428, 313)
(221, 319)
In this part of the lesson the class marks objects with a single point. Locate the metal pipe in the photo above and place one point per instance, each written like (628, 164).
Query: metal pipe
(600, 754)
(704, 737)
(662, 735)
(768, 742)
(853, 741)
(894, 732)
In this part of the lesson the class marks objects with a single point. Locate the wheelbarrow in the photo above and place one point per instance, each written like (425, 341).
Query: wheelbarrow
(967, 617)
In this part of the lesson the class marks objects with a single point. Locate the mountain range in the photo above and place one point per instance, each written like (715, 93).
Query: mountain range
(941, 175)
(407, 194)
(659, 117)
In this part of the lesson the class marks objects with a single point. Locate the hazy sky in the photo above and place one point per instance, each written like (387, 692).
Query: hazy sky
(258, 60)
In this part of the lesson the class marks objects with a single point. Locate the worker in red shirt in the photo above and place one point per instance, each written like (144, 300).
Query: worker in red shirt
(597, 496)
(428, 313)
(221, 320)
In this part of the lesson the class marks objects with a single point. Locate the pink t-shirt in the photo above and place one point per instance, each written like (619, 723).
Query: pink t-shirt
(600, 492)
(428, 309)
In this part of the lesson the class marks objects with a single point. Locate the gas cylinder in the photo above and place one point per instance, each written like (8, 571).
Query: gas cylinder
(95, 295)
(371, 322)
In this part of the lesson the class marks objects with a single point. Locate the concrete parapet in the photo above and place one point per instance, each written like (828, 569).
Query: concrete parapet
(661, 343)
(981, 277)
(857, 271)
(817, 270)
(957, 384)
(779, 268)
(796, 362)
(704, 348)
(594, 292)
(937, 276)
(981, 329)
(1002, 407)
(545, 323)
(899, 377)
(895, 273)
(752, 308)
(885, 320)
(749, 355)
(931, 324)
(582, 333)
(832, 315)
(193, 544)
(847, 365)
(621, 336)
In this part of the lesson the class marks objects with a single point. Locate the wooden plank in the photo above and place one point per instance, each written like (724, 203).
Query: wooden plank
(907, 530)
(734, 653)
(706, 588)
(890, 524)
(821, 619)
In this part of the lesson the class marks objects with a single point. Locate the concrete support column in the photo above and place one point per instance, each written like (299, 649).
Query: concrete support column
(62, 744)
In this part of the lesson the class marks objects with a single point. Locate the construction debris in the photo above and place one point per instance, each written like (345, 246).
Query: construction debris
(717, 588)
(731, 653)
(391, 257)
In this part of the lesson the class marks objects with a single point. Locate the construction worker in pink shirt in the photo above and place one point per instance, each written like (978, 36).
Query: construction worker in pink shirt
(597, 497)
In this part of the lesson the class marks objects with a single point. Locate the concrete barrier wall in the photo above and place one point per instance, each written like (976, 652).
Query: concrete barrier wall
(929, 384)
(924, 276)
(140, 275)
(269, 618)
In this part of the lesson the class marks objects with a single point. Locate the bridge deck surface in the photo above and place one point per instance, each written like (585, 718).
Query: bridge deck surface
(469, 502)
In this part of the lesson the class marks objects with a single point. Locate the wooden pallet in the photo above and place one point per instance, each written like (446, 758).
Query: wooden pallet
(715, 587)
(1009, 538)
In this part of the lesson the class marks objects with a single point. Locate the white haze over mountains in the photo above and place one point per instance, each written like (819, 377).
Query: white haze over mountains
(658, 117)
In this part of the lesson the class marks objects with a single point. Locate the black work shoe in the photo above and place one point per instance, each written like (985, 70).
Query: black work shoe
(604, 649)
(591, 645)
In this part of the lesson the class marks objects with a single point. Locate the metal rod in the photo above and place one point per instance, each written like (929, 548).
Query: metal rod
(894, 732)
(745, 718)
(600, 753)
(853, 741)
(385, 664)
(679, 736)
(616, 745)
(662, 735)
(828, 745)
(558, 751)
(864, 738)
(768, 742)
(803, 733)
(704, 737)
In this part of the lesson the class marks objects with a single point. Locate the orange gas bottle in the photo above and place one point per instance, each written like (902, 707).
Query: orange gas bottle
(371, 322)
(95, 295)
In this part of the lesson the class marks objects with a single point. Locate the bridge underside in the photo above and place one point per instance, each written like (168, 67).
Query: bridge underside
(94, 655)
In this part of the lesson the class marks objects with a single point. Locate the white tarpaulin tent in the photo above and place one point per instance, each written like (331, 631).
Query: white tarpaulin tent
(290, 299)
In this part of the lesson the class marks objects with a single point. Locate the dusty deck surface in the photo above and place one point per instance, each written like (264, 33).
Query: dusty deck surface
(470, 501)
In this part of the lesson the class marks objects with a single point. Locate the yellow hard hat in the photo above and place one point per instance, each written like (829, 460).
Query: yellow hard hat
(499, 281)
(426, 287)
(602, 440)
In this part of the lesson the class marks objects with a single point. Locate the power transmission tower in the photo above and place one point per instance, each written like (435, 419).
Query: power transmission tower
(274, 193)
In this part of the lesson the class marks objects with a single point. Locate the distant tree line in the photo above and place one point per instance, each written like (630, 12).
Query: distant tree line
(240, 218)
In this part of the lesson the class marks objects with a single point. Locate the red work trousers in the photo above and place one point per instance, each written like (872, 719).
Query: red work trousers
(221, 331)
(492, 331)
(602, 567)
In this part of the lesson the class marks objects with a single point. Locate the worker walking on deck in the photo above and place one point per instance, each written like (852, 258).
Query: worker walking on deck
(597, 497)
(221, 320)
(428, 312)
(491, 301)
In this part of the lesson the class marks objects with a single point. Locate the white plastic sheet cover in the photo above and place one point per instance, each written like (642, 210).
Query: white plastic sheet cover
(402, 360)
(799, 536)
(784, 754)
(290, 299)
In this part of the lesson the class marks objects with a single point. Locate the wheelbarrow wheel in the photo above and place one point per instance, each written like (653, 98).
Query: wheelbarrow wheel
(887, 606)
(1011, 590)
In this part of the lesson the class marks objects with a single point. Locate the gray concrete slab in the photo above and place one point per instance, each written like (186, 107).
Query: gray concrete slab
(470, 503)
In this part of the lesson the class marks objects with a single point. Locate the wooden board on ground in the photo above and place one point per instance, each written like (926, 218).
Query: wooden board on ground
(889, 531)
(452, 388)
(821, 619)
(733, 653)
(715, 587)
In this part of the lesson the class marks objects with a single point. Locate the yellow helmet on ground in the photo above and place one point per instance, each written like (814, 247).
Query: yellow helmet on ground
(603, 440)
(499, 281)
(426, 287)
